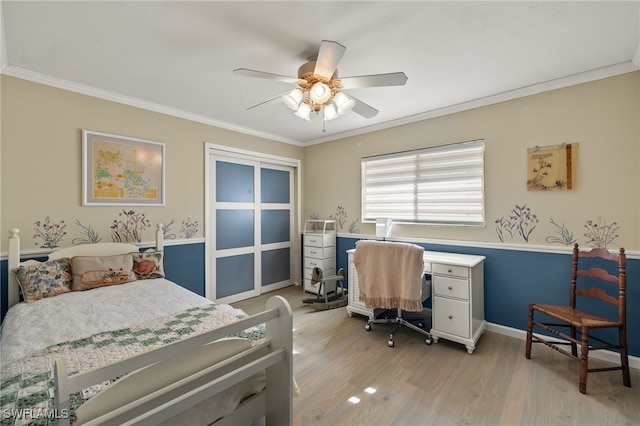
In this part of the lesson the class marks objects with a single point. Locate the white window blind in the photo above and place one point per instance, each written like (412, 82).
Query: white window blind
(436, 185)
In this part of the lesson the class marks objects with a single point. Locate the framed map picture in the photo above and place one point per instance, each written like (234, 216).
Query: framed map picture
(552, 168)
(123, 171)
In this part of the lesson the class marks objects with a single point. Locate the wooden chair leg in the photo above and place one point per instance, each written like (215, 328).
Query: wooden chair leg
(574, 346)
(527, 351)
(584, 359)
(624, 357)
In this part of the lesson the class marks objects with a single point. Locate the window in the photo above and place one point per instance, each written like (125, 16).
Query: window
(437, 185)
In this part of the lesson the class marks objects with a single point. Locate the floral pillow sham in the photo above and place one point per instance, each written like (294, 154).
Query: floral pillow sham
(148, 264)
(46, 279)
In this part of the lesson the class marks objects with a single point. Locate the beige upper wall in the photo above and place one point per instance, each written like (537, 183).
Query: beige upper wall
(41, 160)
(42, 151)
(601, 116)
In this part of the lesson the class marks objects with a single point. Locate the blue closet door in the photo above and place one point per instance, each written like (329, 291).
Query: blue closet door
(276, 225)
(251, 227)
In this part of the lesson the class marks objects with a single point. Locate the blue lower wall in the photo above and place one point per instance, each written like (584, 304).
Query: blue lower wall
(184, 265)
(513, 279)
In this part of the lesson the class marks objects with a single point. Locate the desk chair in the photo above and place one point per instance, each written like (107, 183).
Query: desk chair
(391, 277)
(588, 289)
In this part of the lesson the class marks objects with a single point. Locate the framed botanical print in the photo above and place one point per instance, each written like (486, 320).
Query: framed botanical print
(122, 171)
(552, 168)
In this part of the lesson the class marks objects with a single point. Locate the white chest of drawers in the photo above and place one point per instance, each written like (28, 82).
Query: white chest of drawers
(319, 250)
(457, 302)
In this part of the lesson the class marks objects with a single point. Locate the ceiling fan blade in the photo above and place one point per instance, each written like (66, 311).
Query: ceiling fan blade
(273, 100)
(329, 56)
(360, 108)
(261, 74)
(375, 80)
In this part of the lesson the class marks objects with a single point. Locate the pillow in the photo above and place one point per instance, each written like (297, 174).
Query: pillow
(46, 279)
(99, 271)
(148, 264)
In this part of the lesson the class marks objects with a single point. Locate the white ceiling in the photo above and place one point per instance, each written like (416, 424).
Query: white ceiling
(178, 57)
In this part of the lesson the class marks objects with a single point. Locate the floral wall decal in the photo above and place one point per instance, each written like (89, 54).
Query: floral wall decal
(521, 221)
(50, 232)
(129, 228)
(340, 217)
(562, 235)
(189, 228)
(167, 234)
(89, 236)
(600, 234)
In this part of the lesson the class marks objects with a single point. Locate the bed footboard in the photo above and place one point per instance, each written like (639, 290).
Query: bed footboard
(162, 383)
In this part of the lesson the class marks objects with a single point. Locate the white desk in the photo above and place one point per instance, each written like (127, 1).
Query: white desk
(457, 294)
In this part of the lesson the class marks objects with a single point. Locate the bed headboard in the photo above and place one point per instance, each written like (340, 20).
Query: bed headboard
(97, 249)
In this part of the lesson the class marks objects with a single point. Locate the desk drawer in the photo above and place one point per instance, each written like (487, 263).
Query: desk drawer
(324, 264)
(450, 287)
(319, 240)
(451, 316)
(319, 252)
(325, 272)
(455, 271)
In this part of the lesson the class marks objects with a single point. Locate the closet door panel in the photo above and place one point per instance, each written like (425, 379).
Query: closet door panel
(276, 266)
(234, 183)
(234, 229)
(276, 225)
(242, 278)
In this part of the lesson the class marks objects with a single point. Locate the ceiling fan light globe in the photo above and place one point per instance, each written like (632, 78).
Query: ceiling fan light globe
(303, 111)
(344, 103)
(329, 112)
(320, 93)
(293, 99)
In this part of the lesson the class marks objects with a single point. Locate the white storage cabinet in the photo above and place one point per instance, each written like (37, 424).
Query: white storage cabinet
(457, 291)
(319, 250)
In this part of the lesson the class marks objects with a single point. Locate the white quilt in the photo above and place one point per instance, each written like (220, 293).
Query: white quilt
(75, 315)
(156, 307)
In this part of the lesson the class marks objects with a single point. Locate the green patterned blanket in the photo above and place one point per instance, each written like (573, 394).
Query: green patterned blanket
(26, 391)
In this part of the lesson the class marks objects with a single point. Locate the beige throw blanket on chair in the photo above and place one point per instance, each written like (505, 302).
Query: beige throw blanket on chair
(390, 274)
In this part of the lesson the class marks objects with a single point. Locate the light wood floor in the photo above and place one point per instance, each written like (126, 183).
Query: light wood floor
(335, 359)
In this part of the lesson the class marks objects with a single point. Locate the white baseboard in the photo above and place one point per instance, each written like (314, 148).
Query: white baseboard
(609, 356)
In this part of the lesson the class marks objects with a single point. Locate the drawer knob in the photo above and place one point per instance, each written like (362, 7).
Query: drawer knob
(449, 270)
(450, 316)
(450, 288)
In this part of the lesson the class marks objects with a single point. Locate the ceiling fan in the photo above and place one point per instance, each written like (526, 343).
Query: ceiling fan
(320, 89)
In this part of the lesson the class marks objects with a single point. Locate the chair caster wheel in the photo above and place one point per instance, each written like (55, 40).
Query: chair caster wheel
(428, 341)
(367, 327)
(391, 344)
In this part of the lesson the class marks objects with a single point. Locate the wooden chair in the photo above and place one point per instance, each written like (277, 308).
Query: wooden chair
(580, 322)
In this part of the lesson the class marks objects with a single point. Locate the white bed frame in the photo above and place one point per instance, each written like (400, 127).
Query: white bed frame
(193, 369)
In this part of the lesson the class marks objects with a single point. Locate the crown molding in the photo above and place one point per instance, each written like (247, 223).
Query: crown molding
(71, 86)
(585, 77)
(571, 80)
